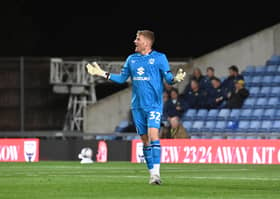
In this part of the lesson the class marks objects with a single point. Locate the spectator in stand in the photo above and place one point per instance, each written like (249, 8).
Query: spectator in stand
(196, 75)
(216, 96)
(165, 100)
(195, 97)
(234, 76)
(175, 130)
(167, 88)
(175, 106)
(238, 96)
(210, 73)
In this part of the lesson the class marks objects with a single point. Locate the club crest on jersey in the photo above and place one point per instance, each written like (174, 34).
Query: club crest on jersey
(140, 70)
(151, 61)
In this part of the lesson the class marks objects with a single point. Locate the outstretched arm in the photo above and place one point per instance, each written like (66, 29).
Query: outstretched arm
(94, 69)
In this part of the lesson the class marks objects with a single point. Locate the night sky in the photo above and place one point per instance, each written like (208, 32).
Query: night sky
(103, 28)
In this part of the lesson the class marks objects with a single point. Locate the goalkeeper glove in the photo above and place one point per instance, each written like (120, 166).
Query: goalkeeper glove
(180, 75)
(94, 69)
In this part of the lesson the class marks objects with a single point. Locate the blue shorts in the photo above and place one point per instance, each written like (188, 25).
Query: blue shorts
(146, 118)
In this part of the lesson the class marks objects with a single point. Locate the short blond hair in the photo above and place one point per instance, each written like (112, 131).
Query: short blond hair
(148, 34)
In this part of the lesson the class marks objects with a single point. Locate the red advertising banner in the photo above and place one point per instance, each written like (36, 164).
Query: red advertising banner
(213, 151)
(19, 150)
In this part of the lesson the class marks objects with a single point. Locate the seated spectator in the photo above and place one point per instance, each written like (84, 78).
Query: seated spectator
(165, 99)
(210, 73)
(195, 97)
(167, 88)
(216, 96)
(175, 130)
(175, 106)
(238, 96)
(196, 75)
(234, 75)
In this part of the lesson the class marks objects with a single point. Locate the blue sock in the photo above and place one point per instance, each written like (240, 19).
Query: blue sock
(156, 151)
(148, 154)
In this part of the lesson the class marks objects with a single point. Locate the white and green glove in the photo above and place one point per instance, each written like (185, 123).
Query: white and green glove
(180, 75)
(94, 69)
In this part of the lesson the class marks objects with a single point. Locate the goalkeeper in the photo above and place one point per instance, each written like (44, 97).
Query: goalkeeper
(147, 68)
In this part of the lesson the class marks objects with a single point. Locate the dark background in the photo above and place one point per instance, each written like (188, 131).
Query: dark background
(104, 28)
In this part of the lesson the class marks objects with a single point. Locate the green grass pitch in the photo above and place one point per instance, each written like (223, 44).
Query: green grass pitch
(125, 180)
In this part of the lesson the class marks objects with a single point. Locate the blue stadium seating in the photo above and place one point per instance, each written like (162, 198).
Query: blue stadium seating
(275, 127)
(208, 126)
(276, 81)
(249, 102)
(255, 81)
(265, 126)
(254, 126)
(261, 102)
(257, 114)
(201, 114)
(247, 79)
(243, 126)
(223, 114)
(245, 114)
(197, 126)
(260, 70)
(220, 126)
(234, 114)
(249, 70)
(212, 114)
(275, 92)
(273, 102)
(269, 114)
(266, 81)
(189, 114)
(264, 92)
(273, 60)
(187, 125)
(271, 70)
(254, 91)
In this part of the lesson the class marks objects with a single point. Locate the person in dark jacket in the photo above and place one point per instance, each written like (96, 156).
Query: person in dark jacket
(237, 98)
(216, 97)
(210, 74)
(195, 97)
(234, 76)
(199, 77)
(175, 106)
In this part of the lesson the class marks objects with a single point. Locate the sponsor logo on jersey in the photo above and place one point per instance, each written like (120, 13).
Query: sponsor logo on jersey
(140, 70)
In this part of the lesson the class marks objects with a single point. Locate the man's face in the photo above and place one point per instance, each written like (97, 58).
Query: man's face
(194, 85)
(231, 72)
(174, 122)
(215, 83)
(141, 43)
(173, 95)
(210, 73)
(196, 73)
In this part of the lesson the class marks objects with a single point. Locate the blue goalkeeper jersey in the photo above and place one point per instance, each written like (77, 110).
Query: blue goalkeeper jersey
(147, 73)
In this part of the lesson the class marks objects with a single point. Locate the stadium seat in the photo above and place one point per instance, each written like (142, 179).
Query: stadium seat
(273, 60)
(243, 126)
(247, 79)
(275, 91)
(264, 92)
(275, 127)
(265, 126)
(249, 102)
(269, 114)
(212, 114)
(245, 114)
(260, 70)
(267, 81)
(254, 91)
(271, 70)
(249, 70)
(273, 102)
(257, 114)
(255, 81)
(277, 115)
(201, 114)
(189, 115)
(254, 126)
(223, 114)
(208, 126)
(187, 125)
(261, 102)
(231, 126)
(276, 81)
(234, 114)
(220, 126)
(197, 126)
